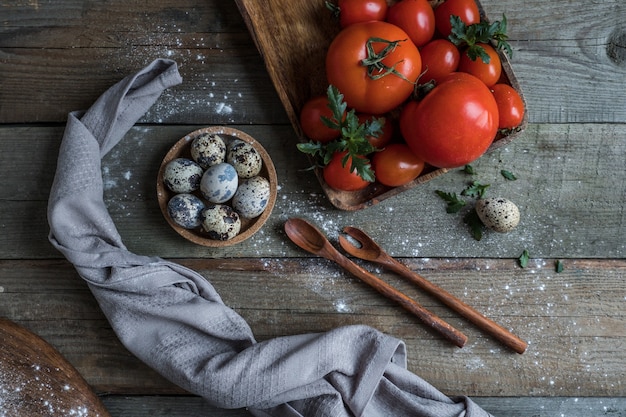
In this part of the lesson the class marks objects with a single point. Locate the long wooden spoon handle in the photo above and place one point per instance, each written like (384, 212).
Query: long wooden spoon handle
(432, 320)
(487, 325)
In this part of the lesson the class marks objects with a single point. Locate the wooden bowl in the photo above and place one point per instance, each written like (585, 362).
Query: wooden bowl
(293, 37)
(182, 149)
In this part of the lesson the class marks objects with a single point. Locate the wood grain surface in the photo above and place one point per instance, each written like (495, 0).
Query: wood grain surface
(569, 57)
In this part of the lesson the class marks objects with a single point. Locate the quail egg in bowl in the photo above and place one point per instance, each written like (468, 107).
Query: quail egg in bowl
(234, 186)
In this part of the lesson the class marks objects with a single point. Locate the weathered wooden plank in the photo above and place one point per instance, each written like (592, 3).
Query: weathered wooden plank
(571, 190)
(574, 320)
(59, 57)
(497, 406)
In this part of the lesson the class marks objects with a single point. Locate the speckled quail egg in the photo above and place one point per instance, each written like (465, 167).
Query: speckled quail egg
(219, 183)
(208, 149)
(246, 160)
(186, 210)
(221, 222)
(252, 197)
(182, 175)
(498, 214)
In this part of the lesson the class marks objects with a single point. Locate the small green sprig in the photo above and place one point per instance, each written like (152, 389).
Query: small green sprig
(523, 259)
(480, 33)
(453, 203)
(353, 139)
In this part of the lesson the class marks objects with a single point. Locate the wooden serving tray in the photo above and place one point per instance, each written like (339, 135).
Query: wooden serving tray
(293, 37)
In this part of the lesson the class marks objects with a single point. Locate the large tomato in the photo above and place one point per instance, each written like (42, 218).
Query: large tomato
(311, 120)
(357, 11)
(340, 176)
(396, 165)
(489, 72)
(439, 58)
(370, 85)
(510, 106)
(454, 124)
(466, 10)
(415, 17)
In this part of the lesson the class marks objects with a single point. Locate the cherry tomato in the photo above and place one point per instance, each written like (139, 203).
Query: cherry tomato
(466, 10)
(358, 11)
(489, 73)
(387, 130)
(454, 124)
(439, 58)
(366, 88)
(510, 106)
(311, 120)
(340, 177)
(415, 17)
(396, 165)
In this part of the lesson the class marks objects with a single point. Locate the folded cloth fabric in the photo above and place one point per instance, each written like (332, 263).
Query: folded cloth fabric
(173, 319)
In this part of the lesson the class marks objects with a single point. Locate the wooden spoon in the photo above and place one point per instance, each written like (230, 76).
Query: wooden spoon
(370, 251)
(309, 238)
(36, 380)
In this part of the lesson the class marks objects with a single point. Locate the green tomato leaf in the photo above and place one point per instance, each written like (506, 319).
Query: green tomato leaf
(475, 224)
(523, 259)
(475, 190)
(508, 175)
(454, 203)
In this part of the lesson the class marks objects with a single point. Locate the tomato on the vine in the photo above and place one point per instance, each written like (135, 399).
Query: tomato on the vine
(341, 176)
(454, 124)
(415, 17)
(510, 106)
(489, 73)
(440, 57)
(466, 10)
(385, 135)
(396, 165)
(374, 65)
(358, 11)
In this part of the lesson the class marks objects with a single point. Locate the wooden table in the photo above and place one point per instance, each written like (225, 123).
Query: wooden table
(570, 58)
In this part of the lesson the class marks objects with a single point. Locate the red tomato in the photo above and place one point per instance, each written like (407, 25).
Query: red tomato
(487, 73)
(366, 88)
(357, 11)
(415, 17)
(510, 106)
(387, 131)
(396, 165)
(340, 177)
(439, 58)
(311, 120)
(466, 10)
(454, 124)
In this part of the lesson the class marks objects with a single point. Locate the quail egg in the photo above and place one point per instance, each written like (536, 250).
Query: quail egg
(208, 149)
(246, 160)
(186, 210)
(498, 214)
(252, 197)
(221, 222)
(219, 183)
(182, 175)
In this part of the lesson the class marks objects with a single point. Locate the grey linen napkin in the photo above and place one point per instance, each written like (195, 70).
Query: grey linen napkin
(171, 318)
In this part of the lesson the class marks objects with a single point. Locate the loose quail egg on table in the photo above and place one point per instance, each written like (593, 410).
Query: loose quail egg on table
(236, 191)
(498, 214)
